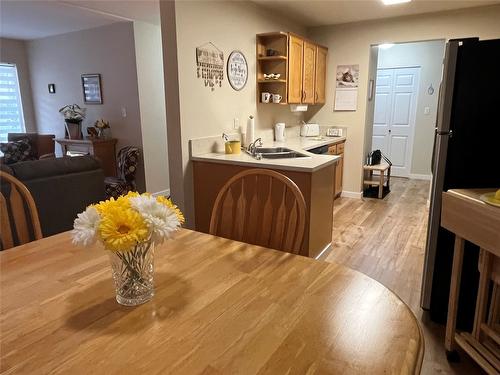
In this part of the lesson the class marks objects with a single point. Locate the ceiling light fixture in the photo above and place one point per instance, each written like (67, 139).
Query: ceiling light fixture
(386, 45)
(392, 2)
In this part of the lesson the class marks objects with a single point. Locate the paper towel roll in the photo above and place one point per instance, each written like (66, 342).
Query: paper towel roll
(250, 136)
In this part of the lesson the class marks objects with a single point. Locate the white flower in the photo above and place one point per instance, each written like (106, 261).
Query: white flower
(160, 219)
(84, 231)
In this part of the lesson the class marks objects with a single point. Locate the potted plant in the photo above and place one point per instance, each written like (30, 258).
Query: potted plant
(73, 116)
(101, 125)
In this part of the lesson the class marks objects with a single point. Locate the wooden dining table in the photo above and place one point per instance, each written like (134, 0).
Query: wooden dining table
(221, 307)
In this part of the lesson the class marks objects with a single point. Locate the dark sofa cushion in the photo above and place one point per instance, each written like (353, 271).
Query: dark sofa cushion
(61, 188)
(30, 170)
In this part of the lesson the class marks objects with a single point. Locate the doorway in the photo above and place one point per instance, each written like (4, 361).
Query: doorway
(402, 104)
(394, 116)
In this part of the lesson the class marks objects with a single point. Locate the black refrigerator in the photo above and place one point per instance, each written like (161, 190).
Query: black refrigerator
(466, 155)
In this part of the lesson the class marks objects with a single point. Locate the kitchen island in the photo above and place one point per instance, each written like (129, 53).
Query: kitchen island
(313, 174)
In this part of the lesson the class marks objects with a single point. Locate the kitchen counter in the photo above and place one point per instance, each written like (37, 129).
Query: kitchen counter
(310, 163)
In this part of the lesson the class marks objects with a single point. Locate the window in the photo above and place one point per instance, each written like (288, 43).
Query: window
(11, 109)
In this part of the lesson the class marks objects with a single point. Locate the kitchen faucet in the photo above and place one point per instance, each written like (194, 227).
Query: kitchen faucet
(253, 146)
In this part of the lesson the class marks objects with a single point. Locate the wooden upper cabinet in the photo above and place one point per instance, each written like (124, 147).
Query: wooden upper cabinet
(295, 66)
(308, 77)
(320, 75)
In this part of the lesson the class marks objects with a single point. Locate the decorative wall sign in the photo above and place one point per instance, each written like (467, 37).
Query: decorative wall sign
(91, 85)
(237, 70)
(210, 62)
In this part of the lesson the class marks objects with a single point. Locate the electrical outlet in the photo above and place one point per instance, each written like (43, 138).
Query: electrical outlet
(124, 112)
(236, 123)
(427, 110)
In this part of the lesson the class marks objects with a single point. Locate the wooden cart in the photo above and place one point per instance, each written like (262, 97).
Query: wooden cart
(464, 214)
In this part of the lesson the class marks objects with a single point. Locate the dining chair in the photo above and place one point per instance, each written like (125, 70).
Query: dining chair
(261, 207)
(16, 202)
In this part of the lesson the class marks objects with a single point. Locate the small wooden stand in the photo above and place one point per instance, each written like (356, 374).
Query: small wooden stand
(464, 214)
(380, 180)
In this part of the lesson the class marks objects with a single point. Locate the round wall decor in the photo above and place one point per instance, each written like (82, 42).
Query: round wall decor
(237, 70)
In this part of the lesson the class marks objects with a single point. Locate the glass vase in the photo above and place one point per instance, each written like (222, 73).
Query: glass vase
(133, 274)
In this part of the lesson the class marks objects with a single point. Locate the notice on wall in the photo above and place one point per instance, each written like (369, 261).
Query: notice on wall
(346, 90)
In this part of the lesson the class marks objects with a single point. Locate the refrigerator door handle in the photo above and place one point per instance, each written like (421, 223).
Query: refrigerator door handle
(450, 132)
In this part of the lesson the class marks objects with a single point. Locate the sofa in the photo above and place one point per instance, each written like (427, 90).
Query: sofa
(61, 188)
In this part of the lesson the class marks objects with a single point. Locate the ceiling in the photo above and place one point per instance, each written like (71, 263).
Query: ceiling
(317, 13)
(32, 19)
(21, 19)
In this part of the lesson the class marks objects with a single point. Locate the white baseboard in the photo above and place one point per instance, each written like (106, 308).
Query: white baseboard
(165, 193)
(351, 194)
(416, 176)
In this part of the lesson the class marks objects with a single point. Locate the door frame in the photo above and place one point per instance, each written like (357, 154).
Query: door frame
(412, 114)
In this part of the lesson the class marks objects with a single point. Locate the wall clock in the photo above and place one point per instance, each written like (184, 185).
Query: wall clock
(237, 70)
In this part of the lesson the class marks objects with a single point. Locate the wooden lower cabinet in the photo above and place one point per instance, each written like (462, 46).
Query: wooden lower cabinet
(316, 187)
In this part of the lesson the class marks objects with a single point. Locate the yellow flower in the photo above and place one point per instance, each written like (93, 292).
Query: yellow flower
(167, 202)
(121, 228)
(122, 202)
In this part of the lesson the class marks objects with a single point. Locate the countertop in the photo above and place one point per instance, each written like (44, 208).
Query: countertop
(310, 163)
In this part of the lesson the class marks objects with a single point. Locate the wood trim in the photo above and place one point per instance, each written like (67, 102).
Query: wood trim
(456, 276)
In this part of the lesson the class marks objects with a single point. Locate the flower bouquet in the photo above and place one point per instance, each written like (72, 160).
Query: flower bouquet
(129, 228)
(101, 125)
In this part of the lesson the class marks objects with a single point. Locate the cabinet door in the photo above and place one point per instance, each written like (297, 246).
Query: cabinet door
(339, 171)
(295, 63)
(309, 73)
(320, 76)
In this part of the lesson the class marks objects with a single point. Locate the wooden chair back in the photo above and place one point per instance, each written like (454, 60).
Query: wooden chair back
(19, 222)
(261, 207)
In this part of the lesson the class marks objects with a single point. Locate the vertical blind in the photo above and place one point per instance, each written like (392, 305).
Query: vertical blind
(11, 110)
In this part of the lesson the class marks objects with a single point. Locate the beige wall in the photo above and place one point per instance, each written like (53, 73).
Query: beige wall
(62, 59)
(230, 25)
(148, 53)
(429, 57)
(350, 44)
(14, 52)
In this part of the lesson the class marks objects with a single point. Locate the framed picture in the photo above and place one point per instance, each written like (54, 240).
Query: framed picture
(91, 85)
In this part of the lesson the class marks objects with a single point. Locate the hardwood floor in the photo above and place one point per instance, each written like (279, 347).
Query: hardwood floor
(385, 239)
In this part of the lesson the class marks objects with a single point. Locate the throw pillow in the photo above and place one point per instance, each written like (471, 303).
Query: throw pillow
(16, 151)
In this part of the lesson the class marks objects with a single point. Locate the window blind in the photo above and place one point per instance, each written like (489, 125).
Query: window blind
(11, 110)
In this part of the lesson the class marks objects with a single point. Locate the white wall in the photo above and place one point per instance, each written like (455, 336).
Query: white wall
(14, 52)
(429, 57)
(350, 44)
(230, 25)
(150, 81)
(62, 59)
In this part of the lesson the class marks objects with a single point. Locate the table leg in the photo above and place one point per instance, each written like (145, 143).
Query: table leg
(485, 263)
(388, 178)
(381, 185)
(456, 275)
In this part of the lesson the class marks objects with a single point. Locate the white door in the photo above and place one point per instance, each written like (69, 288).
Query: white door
(394, 116)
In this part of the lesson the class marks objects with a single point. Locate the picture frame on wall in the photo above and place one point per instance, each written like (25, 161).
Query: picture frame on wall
(92, 90)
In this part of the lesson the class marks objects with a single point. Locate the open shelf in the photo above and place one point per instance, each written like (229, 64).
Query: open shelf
(272, 58)
(272, 81)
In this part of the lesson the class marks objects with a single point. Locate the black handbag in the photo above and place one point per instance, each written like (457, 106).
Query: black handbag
(375, 157)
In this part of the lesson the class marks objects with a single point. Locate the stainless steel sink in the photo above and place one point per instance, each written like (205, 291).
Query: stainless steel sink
(271, 150)
(275, 153)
